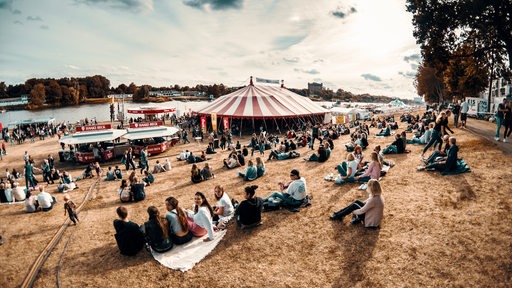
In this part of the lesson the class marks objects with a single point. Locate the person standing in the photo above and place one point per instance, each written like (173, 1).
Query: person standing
(464, 108)
(129, 160)
(144, 165)
(499, 118)
(29, 174)
(456, 112)
(70, 209)
(507, 121)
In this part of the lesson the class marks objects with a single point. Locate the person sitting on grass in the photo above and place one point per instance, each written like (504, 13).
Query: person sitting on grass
(167, 165)
(178, 224)
(370, 211)
(438, 155)
(124, 191)
(260, 166)
(203, 214)
(397, 147)
(31, 204)
(248, 212)
(137, 190)
(250, 173)
(206, 172)
(422, 139)
(129, 237)
(373, 169)
(195, 174)
(232, 162)
(384, 132)
(293, 193)
(320, 157)
(223, 209)
(156, 231)
(66, 183)
(110, 174)
(447, 165)
(158, 167)
(45, 200)
(347, 170)
(148, 178)
(118, 173)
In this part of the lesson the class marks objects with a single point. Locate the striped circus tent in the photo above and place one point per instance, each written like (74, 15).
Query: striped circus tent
(255, 105)
(263, 102)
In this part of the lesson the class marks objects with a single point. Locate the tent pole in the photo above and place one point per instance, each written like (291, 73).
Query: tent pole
(265, 123)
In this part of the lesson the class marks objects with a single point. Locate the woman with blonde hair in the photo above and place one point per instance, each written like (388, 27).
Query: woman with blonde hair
(370, 211)
(347, 170)
(373, 170)
(260, 166)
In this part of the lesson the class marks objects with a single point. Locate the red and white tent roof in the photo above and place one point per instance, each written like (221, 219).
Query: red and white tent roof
(263, 102)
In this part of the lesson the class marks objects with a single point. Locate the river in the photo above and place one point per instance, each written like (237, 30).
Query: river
(99, 111)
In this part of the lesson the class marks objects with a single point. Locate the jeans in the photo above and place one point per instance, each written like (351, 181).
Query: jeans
(342, 169)
(358, 204)
(287, 199)
(391, 149)
(499, 121)
(436, 137)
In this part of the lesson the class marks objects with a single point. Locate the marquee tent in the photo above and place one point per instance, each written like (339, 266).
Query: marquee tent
(261, 103)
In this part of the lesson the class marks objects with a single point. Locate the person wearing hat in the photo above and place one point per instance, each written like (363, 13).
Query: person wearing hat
(293, 193)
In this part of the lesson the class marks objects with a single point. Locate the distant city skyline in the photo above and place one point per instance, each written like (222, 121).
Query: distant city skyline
(363, 46)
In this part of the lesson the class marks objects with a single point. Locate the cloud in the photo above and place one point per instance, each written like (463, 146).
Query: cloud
(6, 4)
(44, 27)
(318, 61)
(36, 18)
(310, 71)
(412, 58)
(284, 42)
(292, 60)
(342, 13)
(71, 66)
(409, 74)
(18, 22)
(414, 66)
(214, 4)
(136, 6)
(16, 11)
(371, 77)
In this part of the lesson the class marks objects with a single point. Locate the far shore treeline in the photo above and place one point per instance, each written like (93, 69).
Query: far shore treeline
(50, 92)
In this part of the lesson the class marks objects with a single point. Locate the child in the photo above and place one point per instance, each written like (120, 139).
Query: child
(70, 208)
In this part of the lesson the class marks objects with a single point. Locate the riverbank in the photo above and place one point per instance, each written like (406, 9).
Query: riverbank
(437, 230)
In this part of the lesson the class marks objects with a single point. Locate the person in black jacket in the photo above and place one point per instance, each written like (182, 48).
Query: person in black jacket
(129, 237)
(447, 165)
(248, 213)
(397, 147)
(156, 231)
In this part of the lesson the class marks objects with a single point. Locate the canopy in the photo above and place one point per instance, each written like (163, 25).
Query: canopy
(32, 121)
(147, 110)
(263, 102)
(92, 137)
(397, 102)
(152, 132)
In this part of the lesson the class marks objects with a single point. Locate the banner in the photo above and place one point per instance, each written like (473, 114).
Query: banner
(146, 124)
(214, 121)
(261, 80)
(93, 128)
(203, 123)
(225, 122)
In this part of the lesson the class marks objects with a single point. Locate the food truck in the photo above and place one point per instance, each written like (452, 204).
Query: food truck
(89, 138)
(153, 135)
(150, 112)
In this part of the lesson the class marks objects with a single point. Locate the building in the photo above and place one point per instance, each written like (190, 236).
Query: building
(23, 100)
(314, 88)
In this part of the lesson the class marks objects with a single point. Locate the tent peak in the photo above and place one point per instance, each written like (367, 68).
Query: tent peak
(251, 84)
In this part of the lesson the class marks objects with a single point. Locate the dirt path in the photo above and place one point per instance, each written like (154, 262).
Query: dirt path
(487, 130)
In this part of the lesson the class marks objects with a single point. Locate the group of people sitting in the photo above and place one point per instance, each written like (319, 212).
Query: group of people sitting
(180, 226)
(253, 170)
(198, 175)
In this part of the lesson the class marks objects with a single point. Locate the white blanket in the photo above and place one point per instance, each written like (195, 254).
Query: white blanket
(184, 257)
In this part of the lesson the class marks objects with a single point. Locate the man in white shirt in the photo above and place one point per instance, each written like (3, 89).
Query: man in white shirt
(293, 193)
(45, 200)
(464, 108)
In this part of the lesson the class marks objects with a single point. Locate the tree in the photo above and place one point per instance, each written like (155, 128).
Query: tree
(131, 88)
(38, 95)
(141, 94)
(443, 26)
(75, 96)
(3, 90)
(16, 90)
(121, 89)
(428, 84)
(53, 93)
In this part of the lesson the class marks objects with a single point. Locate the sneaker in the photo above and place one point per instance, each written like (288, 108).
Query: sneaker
(505, 140)
(497, 138)
(420, 168)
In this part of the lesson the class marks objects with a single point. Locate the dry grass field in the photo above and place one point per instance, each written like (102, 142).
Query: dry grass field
(438, 231)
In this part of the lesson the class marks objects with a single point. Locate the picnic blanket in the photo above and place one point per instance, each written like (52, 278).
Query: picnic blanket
(462, 167)
(184, 257)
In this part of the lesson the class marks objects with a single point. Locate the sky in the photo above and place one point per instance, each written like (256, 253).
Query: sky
(361, 46)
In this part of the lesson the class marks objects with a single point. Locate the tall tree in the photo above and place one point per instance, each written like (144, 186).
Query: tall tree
(428, 84)
(53, 93)
(38, 94)
(443, 26)
(3, 90)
